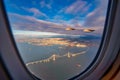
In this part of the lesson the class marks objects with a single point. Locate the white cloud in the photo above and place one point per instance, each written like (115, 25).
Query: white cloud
(36, 12)
(34, 33)
(29, 23)
(78, 6)
(47, 5)
(21, 22)
(96, 18)
(90, 14)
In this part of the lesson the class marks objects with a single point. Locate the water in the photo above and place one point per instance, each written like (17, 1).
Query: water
(41, 63)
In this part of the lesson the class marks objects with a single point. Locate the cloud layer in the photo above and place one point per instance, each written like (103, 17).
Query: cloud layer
(77, 7)
(97, 16)
(52, 17)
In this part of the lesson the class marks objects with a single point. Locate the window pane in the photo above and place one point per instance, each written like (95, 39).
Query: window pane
(57, 39)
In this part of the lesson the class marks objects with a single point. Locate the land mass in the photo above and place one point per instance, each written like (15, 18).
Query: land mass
(52, 41)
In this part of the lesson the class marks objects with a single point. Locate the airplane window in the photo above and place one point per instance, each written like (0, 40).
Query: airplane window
(57, 39)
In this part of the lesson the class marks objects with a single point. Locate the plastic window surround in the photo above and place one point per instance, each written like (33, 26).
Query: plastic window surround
(8, 51)
(111, 43)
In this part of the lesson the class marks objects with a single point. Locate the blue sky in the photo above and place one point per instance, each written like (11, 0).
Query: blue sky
(52, 15)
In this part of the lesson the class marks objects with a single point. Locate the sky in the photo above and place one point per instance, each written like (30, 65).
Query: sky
(56, 15)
